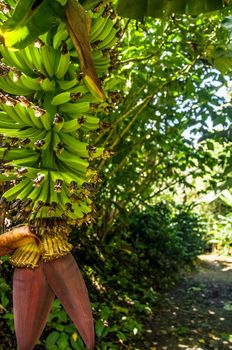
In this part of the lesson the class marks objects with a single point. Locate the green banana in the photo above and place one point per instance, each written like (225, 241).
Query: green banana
(70, 176)
(61, 98)
(57, 144)
(47, 56)
(34, 55)
(79, 89)
(73, 161)
(11, 154)
(30, 83)
(24, 57)
(82, 149)
(35, 120)
(56, 181)
(96, 152)
(96, 28)
(84, 208)
(45, 118)
(9, 132)
(42, 198)
(30, 160)
(106, 30)
(26, 52)
(5, 10)
(31, 133)
(43, 143)
(24, 63)
(58, 122)
(22, 111)
(53, 198)
(64, 61)
(97, 55)
(15, 190)
(10, 58)
(89, 123)
(107, 42)
(11, 84)
(64, 202)
(5, 178)
(75, 108)
(28, 171)
(6, 124)
(70, 126)
(9, 110)
(32, 197)
(75, 146)
(89, 127)
(60, 36)
(47, 84)
(56, 177)
(67, 84)
(23, 194)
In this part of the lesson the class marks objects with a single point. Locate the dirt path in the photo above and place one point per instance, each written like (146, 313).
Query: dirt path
(197, 315)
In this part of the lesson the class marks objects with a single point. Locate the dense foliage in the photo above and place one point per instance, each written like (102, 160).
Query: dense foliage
(172, 106)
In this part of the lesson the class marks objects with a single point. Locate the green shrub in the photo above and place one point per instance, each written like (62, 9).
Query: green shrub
(167, 235)
(220, 236)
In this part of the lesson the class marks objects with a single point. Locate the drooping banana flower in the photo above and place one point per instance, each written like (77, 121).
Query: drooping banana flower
(38, 278)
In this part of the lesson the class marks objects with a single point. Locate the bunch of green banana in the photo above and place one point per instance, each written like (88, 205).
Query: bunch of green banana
(49, 105)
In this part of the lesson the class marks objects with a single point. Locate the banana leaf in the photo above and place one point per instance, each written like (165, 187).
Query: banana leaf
(135, 9)
(30, 19)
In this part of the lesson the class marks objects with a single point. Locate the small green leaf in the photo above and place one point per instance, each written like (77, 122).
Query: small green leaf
(63, 342)
(99, 327)
(51, 339)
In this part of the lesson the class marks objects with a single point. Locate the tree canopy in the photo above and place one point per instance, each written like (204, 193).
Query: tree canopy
(173, 123)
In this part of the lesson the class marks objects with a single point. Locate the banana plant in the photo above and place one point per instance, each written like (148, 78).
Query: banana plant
(55, 57)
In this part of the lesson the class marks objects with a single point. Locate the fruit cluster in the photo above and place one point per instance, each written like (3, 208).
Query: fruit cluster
(48, 109)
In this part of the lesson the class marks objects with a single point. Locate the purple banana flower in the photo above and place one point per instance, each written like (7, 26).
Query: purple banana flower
(34, 290)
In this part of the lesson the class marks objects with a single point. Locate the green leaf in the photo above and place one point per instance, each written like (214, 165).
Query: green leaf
(4, 300)
(156, 8)
(28, 21)
(60, 327)
(52, 339)
(105, 312)
(63, 342)
(100, 327)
